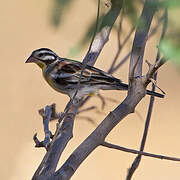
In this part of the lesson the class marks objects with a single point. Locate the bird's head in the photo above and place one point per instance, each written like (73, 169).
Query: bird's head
(42, 57)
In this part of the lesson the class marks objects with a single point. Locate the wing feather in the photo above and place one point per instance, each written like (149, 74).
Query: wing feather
(70, 71)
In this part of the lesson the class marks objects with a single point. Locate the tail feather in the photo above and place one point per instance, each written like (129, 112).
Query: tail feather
(151, 93)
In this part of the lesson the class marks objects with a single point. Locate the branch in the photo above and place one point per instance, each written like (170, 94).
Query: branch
(135, 68)
(46, 115)
(115, 68)
(61, 137)
(150, 74)
(102, 35)
(135, 94)
(153, 68)
(153, 31)
(120, 46)
(64, 132)
(128, 150)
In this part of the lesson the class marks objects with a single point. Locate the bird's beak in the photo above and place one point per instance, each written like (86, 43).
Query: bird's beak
(31, 60)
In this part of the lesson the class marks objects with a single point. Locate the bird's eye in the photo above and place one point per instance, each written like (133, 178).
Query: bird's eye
(41, 54)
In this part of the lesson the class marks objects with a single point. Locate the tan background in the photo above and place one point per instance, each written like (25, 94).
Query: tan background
(24, 27)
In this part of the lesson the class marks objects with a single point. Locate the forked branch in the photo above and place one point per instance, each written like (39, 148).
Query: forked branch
(64, 130)
(148, 78)
(137, 90)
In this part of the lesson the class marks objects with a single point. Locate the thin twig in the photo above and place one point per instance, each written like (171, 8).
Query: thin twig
(61, 137)
(153, 68)
(85, 61)
(153, 31)
(89, 119)
(133, 151)
(70, 166)
(121, 62)
(86, 109)
(102, 100)
(46, 115)
(113, 67)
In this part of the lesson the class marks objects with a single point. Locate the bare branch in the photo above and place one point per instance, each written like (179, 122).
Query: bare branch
(153, 68)
(60, 139)
(102, 36)
(46, 170)
(46, 119)
(151, 73)
(141, 37)
(121, 62)
(64, 132)
(48, 114)
(96, 138)
(153, 31)
(112, 69)
(126, 107)
(158, 156)
(102, 100)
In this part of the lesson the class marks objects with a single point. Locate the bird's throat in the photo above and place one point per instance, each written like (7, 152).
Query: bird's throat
(41, 65)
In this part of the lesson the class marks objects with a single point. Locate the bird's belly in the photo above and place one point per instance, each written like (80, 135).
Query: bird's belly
(83, 91)
(69, 89)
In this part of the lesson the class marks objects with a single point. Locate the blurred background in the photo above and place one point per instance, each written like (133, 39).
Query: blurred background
(28, 25)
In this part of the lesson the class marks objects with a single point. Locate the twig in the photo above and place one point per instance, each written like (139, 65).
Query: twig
(153, 68)
(68, 168)
(102, 100)
(96, 138)
(46, 115)
(140, 38)
(87, 60)
(102, 35)
(86, 109)
(115, 68)
(153, 31)
(151, 73)
(61, 137)
(64, 132)
(158, 156)
(121, 62)
(89, 119)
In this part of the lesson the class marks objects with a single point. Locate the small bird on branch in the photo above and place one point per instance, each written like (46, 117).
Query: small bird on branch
(63, 75)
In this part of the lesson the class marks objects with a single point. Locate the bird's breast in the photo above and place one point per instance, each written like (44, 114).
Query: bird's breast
(51, 80)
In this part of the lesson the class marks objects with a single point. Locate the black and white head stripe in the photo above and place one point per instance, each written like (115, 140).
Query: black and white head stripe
(44, 54)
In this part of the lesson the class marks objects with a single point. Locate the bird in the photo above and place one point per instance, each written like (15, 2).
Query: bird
(63, 75)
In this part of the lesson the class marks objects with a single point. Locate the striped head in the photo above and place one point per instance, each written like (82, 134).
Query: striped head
(42, 57)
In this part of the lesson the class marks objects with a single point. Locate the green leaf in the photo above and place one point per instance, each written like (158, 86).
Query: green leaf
(169, 3)
(170, 51)
(58, 9)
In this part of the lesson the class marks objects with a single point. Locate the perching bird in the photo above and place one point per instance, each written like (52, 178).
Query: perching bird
(63, 75)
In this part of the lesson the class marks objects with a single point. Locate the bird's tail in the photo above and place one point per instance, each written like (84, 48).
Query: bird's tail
(123, 86)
